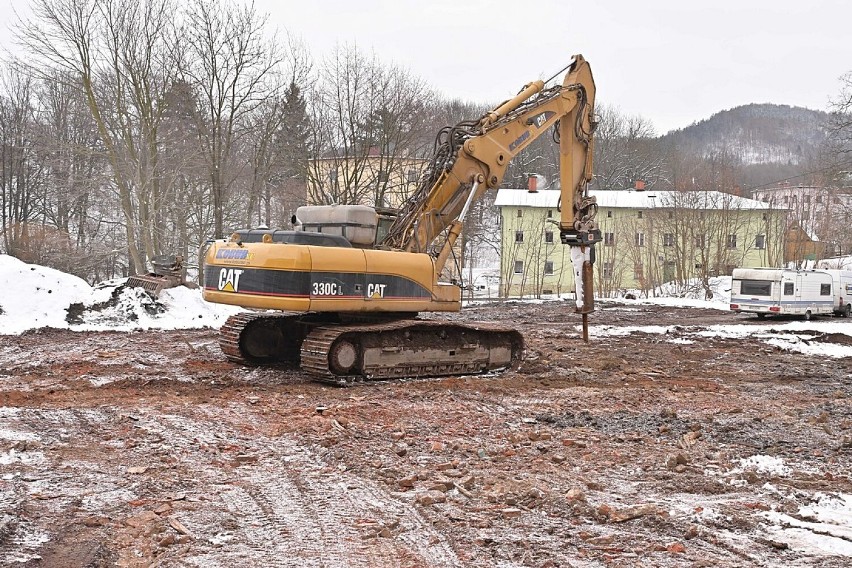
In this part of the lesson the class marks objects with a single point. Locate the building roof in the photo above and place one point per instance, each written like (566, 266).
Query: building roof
(792, 189)
(630, 199)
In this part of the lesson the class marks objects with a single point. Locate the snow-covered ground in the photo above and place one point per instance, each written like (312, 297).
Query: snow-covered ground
(36, 297)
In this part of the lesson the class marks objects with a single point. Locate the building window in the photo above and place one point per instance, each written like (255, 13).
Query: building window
(668, 240)
(548, 267)
(609, 214)
(732, 241)
(786, 199)
(638, 273)
(548, 236)
(807, 198)
(550, 213)
(411, 176)
(519, 267)
(332, 176)
(382, 176)
(609, 239)
(760, 242)
(825, 290)
(788, 289)
(639, 214)
(607, 271)
(519, 236)
(671, 214)
(640, 239)
(699, 241)
(520, 213)
(819, 198)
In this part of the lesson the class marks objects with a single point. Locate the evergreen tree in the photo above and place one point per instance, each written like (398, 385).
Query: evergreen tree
(293, 139)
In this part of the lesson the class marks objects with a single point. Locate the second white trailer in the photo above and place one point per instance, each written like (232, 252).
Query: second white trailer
(842, 291)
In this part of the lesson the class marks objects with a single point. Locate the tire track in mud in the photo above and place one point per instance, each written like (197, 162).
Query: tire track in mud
(417, 534)
(289, 508)
(27, 473)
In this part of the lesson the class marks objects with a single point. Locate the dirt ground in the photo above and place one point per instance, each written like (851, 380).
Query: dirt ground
(150, 449)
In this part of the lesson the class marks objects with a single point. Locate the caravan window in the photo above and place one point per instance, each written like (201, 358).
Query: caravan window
(825, 290)
(788, 288)
(756, 287)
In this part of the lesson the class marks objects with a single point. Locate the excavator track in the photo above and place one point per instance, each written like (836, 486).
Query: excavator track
(250, 338)
(343, 354)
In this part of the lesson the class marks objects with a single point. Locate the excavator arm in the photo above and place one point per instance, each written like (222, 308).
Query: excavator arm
(473, 157)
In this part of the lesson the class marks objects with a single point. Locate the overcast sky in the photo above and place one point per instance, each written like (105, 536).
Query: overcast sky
(673, 62)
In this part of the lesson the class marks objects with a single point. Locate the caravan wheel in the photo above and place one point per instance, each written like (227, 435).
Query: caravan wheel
(808, 315)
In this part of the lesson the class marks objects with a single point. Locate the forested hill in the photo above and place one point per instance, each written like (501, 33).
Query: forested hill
(756, 134)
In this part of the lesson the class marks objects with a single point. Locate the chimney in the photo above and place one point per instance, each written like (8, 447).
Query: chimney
(639, 185)
(532, 183)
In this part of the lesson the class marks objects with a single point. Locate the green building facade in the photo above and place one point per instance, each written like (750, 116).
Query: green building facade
(650, 238)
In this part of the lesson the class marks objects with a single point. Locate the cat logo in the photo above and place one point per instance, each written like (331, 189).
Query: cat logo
(229, 279)
(376, 290)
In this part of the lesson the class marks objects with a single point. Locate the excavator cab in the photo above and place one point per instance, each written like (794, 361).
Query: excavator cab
(360, 225)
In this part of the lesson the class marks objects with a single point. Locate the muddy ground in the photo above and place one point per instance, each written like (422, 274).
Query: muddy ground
(150, 449)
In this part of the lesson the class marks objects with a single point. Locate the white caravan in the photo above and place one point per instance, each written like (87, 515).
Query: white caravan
(842, 291)
(781, 291)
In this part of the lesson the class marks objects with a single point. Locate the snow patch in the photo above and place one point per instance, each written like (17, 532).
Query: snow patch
(770, 465)
(824, 527)
(26, 458)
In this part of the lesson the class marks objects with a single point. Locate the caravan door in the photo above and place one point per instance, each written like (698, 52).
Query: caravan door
(796, 307)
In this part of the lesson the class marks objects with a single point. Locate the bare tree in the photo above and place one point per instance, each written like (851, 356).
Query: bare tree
(624, 150)
(840, 126)
(21, 174)
(77, 197)
(706, 235)
(117, 52)
(369, 120)
(233, 66)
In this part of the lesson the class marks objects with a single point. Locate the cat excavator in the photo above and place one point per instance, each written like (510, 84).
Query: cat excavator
(346, 286)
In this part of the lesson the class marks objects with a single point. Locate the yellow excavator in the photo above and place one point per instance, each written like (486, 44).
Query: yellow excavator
(348, 283)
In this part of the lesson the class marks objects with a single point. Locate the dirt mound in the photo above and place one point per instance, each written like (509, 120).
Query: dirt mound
(124, 305)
